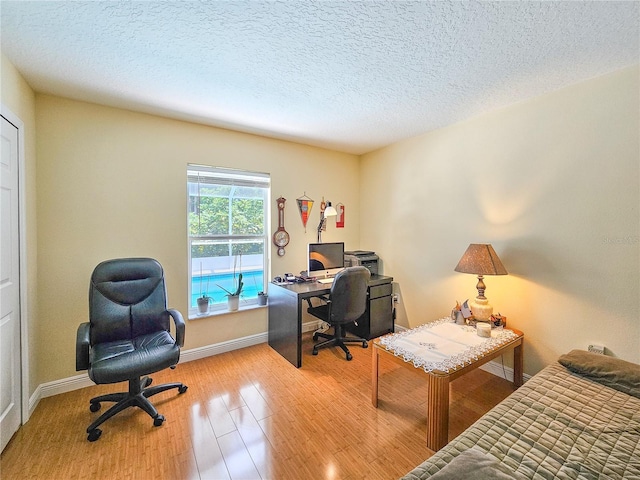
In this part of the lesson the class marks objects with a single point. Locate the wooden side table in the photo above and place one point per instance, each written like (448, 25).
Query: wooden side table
(438, 384)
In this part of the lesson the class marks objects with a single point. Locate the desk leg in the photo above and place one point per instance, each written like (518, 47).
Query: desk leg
(285, 324)
(518, 365)
(438, 412)
(375, 361)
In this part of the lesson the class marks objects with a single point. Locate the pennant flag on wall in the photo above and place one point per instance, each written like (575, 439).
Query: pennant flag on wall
(305, 204)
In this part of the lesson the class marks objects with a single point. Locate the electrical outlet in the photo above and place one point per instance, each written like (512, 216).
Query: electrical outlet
(596, 349)
(396, 297)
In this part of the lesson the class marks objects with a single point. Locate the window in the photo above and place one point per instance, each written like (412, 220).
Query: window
(228, 234)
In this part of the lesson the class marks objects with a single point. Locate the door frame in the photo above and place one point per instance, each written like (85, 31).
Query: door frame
(25, 412)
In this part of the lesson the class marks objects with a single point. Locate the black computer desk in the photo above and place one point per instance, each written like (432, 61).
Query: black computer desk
(288, 301)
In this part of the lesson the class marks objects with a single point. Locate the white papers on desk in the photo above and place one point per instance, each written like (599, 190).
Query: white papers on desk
(442, 345)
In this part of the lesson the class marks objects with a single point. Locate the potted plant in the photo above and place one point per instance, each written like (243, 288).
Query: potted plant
(203, 300)
(233, 297)
(203, 304)
(262, 298)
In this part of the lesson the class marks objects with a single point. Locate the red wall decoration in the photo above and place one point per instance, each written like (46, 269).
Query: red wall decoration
(340, 217)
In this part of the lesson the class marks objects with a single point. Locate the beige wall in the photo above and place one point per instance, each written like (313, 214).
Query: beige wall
(554, 184)
(18, 97)
(112, 183)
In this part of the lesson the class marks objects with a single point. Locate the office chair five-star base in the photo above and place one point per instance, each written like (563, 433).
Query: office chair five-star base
(338, 340)
(135, 397)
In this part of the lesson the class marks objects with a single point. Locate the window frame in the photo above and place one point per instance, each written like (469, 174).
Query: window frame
(224, 176)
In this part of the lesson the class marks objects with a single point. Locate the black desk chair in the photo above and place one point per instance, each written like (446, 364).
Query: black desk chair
(127, 336)
(346, 303)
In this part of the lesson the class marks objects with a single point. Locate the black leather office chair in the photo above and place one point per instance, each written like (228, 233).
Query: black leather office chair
(346, 303)
(128, 336)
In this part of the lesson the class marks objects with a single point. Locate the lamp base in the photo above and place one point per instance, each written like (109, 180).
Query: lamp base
(481, 309)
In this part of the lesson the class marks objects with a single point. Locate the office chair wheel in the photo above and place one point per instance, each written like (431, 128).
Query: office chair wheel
(94, 434)
(94, 407)
(157, 421)
(182, 389)
(365, 344)
(349, 357)
(315, 351)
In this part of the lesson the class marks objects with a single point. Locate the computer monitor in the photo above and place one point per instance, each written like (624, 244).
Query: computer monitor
(325, 259)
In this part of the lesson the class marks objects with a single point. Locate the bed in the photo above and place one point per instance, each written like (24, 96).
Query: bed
(576, 419)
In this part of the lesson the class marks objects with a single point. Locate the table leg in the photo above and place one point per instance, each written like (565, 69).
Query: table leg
(518, 365)
(437, 412)
(375, 360)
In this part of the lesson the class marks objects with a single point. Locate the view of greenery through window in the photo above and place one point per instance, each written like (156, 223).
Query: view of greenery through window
(214, 216)
(226, 222)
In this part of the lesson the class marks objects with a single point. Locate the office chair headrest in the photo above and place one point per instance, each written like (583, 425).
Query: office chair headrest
(127, 281)
(349, 272)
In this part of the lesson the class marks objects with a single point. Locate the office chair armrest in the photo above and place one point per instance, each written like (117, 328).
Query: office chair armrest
(179, 321)
(324, 298)
(82, 347)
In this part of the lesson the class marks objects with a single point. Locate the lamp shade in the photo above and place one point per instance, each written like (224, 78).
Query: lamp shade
(330, 211)
(480, 259)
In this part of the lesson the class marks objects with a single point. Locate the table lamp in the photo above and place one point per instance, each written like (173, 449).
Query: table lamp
(480, 260)
(329, 211)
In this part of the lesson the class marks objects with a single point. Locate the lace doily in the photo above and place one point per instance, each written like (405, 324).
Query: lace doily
(445, 348)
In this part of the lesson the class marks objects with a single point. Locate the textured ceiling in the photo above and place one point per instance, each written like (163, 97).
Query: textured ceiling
(347, 75)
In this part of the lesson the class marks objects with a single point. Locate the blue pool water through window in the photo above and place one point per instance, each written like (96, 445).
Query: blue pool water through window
(208, 285)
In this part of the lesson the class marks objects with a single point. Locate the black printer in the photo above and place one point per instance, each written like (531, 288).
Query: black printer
(362, 257)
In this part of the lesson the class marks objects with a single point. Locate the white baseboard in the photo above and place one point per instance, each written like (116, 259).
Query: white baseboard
(222, 347)
(77, 382)
(56, 387)
(64, 385)
(495, 367)
(311, 326)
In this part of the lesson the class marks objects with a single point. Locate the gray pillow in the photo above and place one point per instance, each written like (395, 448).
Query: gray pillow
(609, 371)
(477, 465)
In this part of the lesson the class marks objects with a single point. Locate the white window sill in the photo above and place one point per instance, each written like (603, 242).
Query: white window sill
(194, 315)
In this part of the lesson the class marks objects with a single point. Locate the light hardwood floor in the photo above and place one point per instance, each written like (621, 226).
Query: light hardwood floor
(249, 414)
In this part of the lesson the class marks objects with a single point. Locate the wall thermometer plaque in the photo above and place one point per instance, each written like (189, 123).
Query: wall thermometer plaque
(281, 237)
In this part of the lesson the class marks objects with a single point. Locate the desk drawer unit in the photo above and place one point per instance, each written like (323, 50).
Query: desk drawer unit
(378, 318)
(380, 291)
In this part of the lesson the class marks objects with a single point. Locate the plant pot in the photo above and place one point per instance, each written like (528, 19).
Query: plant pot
(262, 299)
(203, 304)
(233, 302)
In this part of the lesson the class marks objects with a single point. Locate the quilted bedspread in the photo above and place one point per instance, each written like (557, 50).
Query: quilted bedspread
(559, 425)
